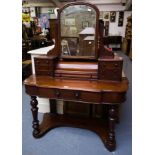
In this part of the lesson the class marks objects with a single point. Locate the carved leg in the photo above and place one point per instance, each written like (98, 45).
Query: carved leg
(117, 113)
(34, 109)
(111, 142)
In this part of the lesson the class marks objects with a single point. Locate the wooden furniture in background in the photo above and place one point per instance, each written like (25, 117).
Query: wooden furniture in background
(92, 80)
(26, 46)
(128, 35)
(26, 69)
(87, 40)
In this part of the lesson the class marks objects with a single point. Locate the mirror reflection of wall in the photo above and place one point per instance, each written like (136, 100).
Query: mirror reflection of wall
(78, 31)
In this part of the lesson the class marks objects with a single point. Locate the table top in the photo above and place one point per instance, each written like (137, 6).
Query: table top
(83, 85)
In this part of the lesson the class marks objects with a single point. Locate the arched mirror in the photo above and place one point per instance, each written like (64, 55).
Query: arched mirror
(78, 30)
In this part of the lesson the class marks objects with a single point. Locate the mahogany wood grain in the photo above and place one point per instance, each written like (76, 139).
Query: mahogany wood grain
(51, 121)
(91, 80)
(91, 86)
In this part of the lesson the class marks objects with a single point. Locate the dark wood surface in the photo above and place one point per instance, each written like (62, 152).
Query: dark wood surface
(90, 86)
(90, 80)
(51, 121)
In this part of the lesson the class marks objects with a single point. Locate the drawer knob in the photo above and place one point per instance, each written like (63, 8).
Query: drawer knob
(77, 95)
(116, 65)
(57, 93)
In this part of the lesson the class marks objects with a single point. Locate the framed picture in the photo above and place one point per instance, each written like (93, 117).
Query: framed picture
(112, 16)
(121, 18)
(70, 22)
(106, 16)
(106, 28)
(85, 24)
(44, 20)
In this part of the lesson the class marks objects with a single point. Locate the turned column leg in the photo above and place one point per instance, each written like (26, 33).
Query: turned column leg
(111, 142)
(34, 109)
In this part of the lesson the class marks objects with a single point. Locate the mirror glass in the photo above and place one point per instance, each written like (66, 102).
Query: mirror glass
(77, 24)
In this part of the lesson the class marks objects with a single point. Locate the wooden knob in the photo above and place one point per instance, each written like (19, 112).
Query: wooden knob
(116, 65)
(77, 94)
(57, 93)
(38, 61)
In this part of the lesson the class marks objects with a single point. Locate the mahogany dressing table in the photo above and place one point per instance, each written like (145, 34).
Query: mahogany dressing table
(80, 69)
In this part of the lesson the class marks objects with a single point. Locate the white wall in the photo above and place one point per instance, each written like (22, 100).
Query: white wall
(45, 9)
(113, 27)
(111, 7)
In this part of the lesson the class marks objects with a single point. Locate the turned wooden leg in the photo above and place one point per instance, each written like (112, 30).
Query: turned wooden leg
(34, 109)
(111, 142)
(117, 113)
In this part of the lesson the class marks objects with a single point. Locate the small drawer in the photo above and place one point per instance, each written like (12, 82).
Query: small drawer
(44, 72)
(111, 65)
(42, 62)
(111, 74)
(38, 67)
(67, 94)
(92, 97)
(46, 92)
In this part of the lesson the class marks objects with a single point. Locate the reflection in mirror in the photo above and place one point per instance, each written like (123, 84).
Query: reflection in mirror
(78, 24)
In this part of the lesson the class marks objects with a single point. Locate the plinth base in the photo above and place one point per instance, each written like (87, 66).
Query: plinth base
(51, 121)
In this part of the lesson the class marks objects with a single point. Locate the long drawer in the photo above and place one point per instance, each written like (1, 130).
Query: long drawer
(77, 95)
(71, 95)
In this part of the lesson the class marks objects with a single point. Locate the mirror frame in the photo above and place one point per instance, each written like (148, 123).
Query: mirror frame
(96, 32)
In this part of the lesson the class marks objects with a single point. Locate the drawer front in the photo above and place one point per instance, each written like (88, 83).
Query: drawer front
(111, 65)
(44, 66)
(111, 74)
(38, 67)
(110, 70)
(44, 72)
(46, 92)
(92, 97)
(42, 62)
(70, 95)
(67, 94)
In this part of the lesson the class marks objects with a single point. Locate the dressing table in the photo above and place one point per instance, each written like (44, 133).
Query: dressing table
(79, 69)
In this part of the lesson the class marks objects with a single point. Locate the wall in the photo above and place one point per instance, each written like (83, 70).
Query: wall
(113, 27)
(111, 7)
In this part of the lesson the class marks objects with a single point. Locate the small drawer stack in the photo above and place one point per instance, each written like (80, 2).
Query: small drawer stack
(110, 70)
(44, 66)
